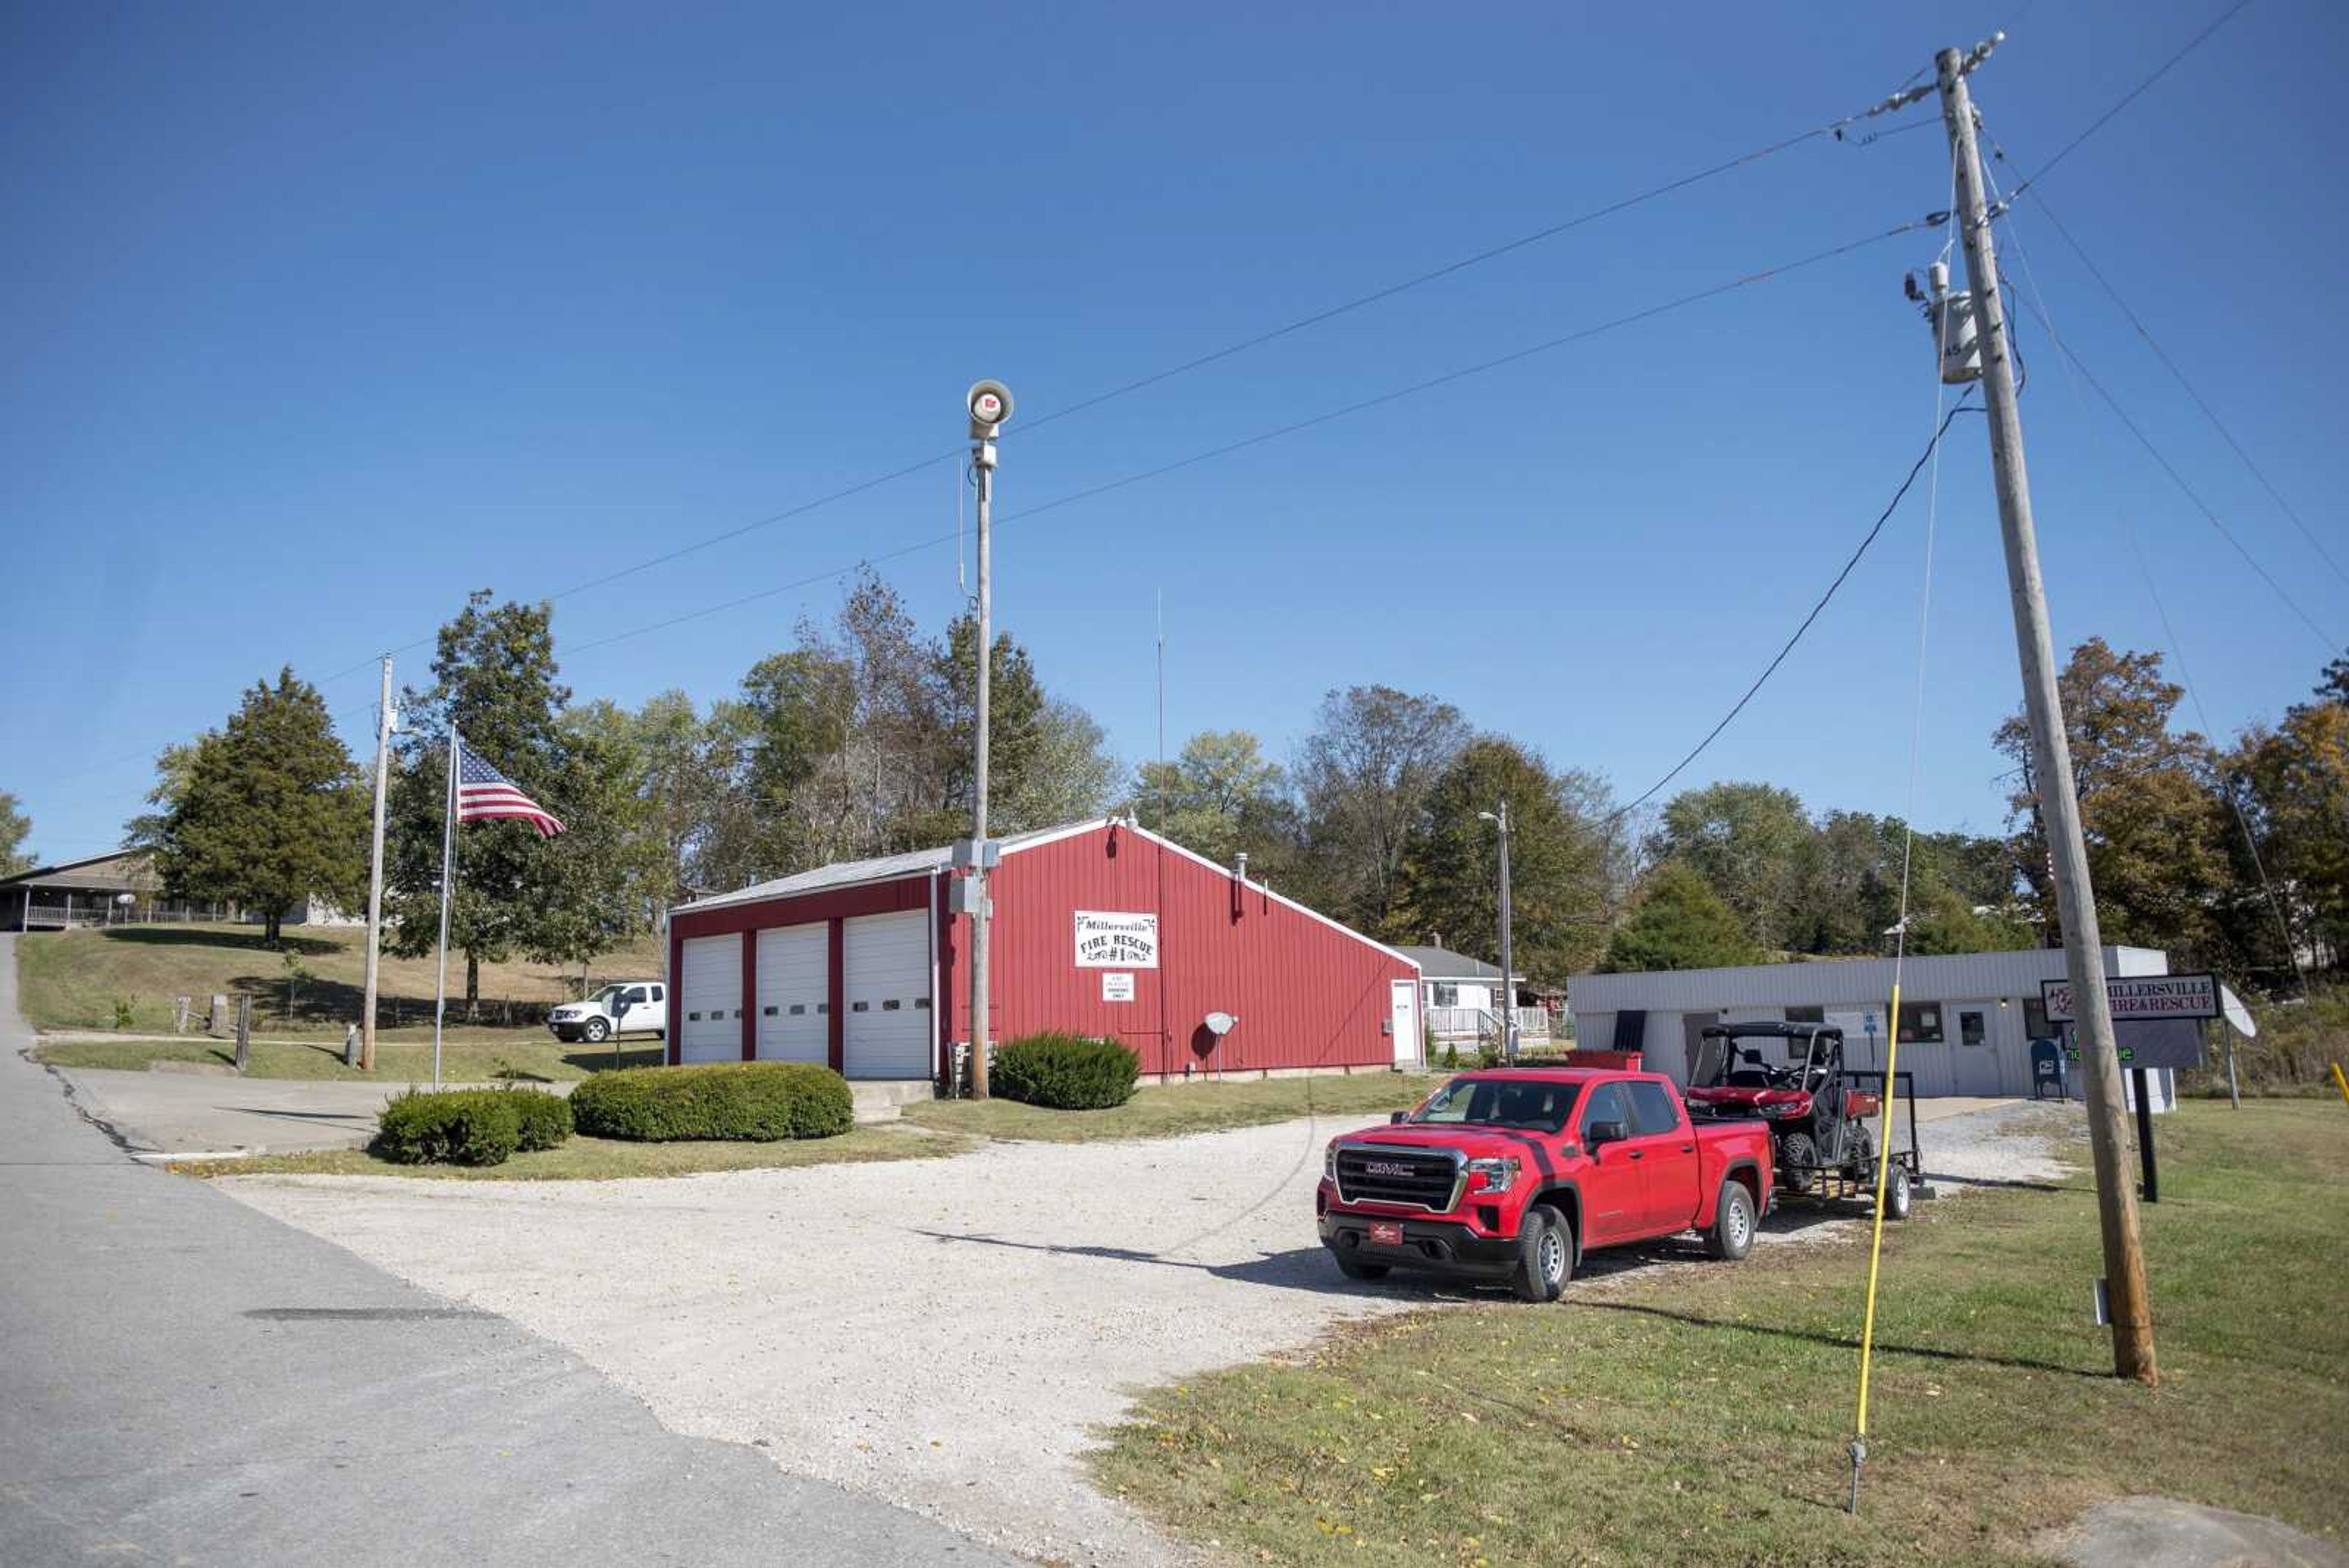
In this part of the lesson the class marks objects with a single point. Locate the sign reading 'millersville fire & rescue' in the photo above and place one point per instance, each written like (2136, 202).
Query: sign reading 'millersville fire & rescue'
(1107, 940)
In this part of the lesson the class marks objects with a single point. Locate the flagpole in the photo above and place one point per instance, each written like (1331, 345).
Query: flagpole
(447, 844)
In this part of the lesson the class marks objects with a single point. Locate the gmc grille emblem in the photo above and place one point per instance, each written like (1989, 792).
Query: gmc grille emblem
(1388, 1168)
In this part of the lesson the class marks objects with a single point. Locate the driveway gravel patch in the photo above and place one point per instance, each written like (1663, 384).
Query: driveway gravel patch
(945, 1334)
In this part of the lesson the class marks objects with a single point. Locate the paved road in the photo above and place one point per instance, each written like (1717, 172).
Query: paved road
(185, 1380)
(189, 1112)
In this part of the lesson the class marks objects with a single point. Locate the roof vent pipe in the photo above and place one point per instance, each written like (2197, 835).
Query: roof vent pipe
(1240, 870)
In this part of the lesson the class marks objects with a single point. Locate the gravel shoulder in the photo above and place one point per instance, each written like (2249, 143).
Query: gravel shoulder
(946, 1335)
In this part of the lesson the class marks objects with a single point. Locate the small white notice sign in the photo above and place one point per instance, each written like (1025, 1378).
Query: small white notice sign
(1117, 985)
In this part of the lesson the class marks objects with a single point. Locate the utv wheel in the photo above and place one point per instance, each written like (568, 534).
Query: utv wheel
(1545, 1256)
(1354, 1268)
(1896, 1193)
(596, 1031)
(1800, 1156)
(1732, 1236)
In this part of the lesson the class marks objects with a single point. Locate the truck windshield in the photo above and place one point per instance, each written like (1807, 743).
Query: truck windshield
(1528, 1106)
(609, 995)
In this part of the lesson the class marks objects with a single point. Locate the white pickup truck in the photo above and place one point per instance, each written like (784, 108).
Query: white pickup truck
(623, 1007)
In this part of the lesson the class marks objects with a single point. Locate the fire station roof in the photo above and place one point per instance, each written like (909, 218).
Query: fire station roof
(881, 868)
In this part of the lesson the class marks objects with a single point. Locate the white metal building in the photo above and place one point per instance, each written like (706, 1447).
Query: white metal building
(1967, 1019)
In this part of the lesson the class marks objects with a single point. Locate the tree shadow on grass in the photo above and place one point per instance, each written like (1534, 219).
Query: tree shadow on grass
(604, 1059)
(254, 940)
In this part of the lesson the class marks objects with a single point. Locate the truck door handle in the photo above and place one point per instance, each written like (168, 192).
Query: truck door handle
(1687, 1148)
(1638, 1153)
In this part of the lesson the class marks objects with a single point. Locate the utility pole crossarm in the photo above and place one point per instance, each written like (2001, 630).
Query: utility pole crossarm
(2051, 755)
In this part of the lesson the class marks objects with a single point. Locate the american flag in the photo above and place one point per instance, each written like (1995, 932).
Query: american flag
(485, 795)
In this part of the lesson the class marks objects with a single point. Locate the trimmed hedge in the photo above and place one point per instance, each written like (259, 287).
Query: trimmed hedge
(763, 1102)
(469, 1126)
(1065, 1072)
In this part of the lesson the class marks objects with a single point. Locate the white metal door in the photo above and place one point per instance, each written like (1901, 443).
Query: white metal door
(1405, 1013)
(709, 994)
(1974, 1042)
(885, 975)
(794, 991)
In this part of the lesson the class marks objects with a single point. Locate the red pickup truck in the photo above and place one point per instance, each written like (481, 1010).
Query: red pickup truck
(1516, 1172)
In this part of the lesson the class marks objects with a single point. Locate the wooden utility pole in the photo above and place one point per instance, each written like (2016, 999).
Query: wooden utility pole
(375, 870)
(2051, 752)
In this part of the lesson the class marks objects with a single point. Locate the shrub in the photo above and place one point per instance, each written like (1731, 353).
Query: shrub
(469, 1126)
(542, 1120)
(125, 1015)
(760, 1101)
(1452, 1058)
(1065, 1072)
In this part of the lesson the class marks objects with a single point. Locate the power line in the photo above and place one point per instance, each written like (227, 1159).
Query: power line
(1294, 427)
(1029, 427)
(2170, 365)
(1780, 657)
(2195, 42)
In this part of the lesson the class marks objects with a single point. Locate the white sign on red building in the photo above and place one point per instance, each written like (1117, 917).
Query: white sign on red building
(2140, 998)
(1107, 939)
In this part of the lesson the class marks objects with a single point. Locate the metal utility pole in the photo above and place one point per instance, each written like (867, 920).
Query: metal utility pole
(990, 404)
(1508, 971)
(2051, 752)
(375, 870)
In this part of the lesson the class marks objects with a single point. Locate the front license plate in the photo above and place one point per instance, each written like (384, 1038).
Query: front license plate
(1385, 1233)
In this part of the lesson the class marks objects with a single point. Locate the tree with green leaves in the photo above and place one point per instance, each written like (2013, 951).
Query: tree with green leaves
(1363, 774)
(1753, 844)
(14, 828)
(493, 681)
(173, 765)
(1212, 795)
(2149, 809)
(269, 812)
(1563, 861)
(1679, 922)
(1068, 774)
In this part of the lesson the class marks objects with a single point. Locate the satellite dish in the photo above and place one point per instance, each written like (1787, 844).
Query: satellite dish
(2237, 1013)
(126, 899)
(1220, 1024)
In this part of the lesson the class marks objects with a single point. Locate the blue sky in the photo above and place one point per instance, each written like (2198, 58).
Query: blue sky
(321, 316)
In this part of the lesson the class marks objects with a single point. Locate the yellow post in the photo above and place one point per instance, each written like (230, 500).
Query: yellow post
(1876, 1239)
(2341, 1082)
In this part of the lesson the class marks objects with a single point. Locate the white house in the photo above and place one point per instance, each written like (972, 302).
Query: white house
(1460, 998)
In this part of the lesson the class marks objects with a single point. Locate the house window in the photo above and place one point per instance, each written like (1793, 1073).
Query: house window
(1921, 1023)
(1444, 993)
(2035, 1024)
(1807, 1015)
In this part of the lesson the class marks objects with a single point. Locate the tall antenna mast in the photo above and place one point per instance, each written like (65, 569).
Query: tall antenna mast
(1162, 710)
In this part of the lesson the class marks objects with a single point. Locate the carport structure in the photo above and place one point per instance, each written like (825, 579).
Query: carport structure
(1100, 928)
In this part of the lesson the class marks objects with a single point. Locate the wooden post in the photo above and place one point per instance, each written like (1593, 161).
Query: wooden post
(243, 1028)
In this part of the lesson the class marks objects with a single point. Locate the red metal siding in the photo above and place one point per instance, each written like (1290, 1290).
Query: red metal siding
(1306, 994)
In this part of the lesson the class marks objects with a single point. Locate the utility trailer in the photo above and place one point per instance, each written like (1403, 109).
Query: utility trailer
(1819, 1113)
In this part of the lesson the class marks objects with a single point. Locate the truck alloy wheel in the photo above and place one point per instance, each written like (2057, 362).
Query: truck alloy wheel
(1545, 1256)
(1732, 1236)
(597, 1032)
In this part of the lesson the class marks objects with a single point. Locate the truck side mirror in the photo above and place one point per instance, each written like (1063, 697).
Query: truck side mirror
(1598, 1134)
(1394, 1116)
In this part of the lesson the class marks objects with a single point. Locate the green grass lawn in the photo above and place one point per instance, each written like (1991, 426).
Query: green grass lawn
(1699, 1413)
(75, 980)
(1176, 1109)
(606, 1159)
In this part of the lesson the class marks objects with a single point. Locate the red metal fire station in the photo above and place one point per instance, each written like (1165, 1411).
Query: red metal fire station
(1100, 928)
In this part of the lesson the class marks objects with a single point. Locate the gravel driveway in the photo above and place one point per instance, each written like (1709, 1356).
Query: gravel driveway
(941, 1334)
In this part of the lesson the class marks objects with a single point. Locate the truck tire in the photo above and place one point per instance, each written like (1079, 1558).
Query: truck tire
(1354, 1268)
(1732, 1236)
(1545, 1255)
(1797, 1150)
(596, 1031)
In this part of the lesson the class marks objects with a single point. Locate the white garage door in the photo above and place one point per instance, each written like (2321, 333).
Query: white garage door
(710, 992)
(886, 964)
(794, 988)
